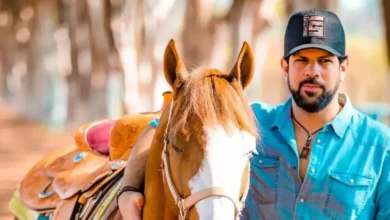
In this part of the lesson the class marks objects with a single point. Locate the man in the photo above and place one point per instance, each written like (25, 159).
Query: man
(319, 157)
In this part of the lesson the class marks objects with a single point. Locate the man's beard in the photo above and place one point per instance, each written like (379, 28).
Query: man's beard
(321, 101)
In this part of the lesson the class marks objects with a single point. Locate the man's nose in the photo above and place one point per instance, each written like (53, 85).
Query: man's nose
(313, 70)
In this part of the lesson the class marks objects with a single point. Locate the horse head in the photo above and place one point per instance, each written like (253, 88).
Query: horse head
(206, 137)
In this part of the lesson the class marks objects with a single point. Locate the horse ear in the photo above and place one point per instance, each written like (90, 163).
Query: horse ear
(244, 67)
(174, 68)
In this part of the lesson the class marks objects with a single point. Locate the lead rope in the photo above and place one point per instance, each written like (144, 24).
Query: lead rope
(182, 214)
(243, 198)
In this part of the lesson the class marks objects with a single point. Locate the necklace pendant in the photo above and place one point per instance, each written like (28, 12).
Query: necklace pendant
(305, 152)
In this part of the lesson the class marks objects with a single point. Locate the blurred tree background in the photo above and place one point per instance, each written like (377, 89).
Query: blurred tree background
(66, 62)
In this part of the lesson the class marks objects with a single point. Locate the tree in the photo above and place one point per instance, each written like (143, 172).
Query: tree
(386, 18)
(295, 5)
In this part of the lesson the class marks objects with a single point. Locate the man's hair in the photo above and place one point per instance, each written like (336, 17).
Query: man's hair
(342, 59)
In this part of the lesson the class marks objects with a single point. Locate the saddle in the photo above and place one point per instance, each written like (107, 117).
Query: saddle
(81, 181)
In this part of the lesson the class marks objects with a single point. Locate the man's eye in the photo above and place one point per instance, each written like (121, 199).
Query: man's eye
(301, 60)
(325, 61)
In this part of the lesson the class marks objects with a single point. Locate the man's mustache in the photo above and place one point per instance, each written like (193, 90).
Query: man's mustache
(313, 81)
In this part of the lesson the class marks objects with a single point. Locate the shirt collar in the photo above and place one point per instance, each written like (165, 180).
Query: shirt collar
(339, 124)
(342, 120)
(283, 114)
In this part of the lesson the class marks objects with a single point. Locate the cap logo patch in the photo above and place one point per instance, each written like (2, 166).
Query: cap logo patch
(313, 26)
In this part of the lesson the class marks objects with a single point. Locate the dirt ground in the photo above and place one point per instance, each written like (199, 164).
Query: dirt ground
(22, 144)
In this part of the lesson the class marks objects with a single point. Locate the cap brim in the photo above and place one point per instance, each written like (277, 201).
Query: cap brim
(307, 46)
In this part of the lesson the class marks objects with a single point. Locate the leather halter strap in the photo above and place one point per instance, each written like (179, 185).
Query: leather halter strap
(185, 204)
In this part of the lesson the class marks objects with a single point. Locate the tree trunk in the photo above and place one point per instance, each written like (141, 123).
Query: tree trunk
(233, 19)
(72, 10)
(298, 5)
(386, 18)
(7, 53)
(198, 33)
(248, 21)
(128, 56)
(40, 93)
(97, 12)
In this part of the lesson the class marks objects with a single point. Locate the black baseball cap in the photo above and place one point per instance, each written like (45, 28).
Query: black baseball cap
(314, 28)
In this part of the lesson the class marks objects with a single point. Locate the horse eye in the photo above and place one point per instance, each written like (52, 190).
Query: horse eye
(176, 149)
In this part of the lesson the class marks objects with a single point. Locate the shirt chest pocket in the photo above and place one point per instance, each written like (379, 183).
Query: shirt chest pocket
(347, 194)
(264, 179)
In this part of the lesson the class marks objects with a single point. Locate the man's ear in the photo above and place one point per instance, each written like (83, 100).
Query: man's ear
(343, 68)
(284, 66)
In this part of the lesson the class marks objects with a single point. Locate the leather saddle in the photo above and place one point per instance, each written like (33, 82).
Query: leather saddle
(81, 181)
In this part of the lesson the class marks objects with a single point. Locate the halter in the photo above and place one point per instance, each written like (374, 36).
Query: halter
(184, 204)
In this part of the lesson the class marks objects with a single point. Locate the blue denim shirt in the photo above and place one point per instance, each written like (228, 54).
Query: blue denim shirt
(348, 175)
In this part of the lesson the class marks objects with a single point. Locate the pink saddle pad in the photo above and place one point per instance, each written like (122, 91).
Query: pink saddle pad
(98, 136)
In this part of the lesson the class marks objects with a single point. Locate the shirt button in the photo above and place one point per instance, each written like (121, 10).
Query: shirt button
(302, 200)
(318, 141)
(294, 167)
(260, 161)
(352, 180)
(313, 170)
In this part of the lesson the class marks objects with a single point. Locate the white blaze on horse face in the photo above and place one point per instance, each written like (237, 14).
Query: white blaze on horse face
(223, 166)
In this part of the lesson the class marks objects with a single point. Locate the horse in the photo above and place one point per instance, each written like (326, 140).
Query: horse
(198, 164)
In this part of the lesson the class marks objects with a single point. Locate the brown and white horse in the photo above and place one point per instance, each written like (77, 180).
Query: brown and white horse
(198, 164)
